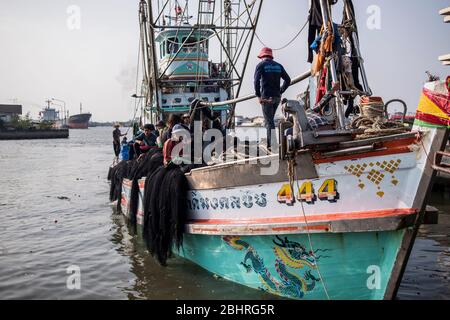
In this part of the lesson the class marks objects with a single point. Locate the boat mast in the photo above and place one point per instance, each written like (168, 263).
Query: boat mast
(349, 16)
(327, 18)
(154, 75)
(150, 60)
(232, 24)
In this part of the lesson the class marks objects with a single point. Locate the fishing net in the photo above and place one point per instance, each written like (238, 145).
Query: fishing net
(141, 168)
(164, 200)
(165, 210)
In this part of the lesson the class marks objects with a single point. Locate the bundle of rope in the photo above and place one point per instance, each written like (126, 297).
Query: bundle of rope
(372, 122)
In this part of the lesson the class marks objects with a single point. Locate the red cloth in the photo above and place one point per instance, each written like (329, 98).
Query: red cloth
(322, 88)
(167, 150)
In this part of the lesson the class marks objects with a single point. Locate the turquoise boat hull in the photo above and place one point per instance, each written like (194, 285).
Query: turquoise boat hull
(349, 265)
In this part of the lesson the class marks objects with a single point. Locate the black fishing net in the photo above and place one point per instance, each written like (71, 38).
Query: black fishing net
(164, 200)
(143, 167)
(117, 174)
(165, 210)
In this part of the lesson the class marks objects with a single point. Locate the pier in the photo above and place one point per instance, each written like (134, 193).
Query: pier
(34, 134)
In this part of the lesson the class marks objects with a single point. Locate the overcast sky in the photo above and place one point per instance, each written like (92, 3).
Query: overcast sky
(41, 58)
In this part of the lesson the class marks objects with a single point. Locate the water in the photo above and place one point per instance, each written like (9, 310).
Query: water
(55, 214)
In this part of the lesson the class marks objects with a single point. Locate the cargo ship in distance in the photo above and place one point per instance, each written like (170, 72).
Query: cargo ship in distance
(79, 121)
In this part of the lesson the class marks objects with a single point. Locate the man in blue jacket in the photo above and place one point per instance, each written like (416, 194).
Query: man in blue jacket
(268, 77)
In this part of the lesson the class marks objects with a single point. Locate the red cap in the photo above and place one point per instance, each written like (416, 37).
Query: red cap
(265, 52)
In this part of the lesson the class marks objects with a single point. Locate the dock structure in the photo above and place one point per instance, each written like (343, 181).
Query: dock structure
(445, 59)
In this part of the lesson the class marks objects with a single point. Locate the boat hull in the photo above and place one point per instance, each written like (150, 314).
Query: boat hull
(345, 266)
(315, 266)
(79, 121)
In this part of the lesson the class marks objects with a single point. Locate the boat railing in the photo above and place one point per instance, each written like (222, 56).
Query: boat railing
(438, 165)
(296, 80)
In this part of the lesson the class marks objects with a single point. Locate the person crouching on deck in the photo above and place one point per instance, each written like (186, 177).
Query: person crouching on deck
(125, 153)
(268, 77)
(146, 140)
(172, 156)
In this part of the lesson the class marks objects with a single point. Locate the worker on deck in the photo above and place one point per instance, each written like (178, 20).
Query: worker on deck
(117, 134)
(125, 153)
(178, 131)
(268, 77)
(186, 119)
(146, 141)
(173, 120)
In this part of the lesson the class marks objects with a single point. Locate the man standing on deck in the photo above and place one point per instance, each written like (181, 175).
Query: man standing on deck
(268, 77)
(116, 139)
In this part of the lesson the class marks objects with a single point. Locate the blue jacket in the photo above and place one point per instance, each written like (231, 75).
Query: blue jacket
(149, 141)
(268, 77)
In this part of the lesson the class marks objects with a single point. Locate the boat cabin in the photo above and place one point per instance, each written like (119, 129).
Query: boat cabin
(188, 61)
(186, 71)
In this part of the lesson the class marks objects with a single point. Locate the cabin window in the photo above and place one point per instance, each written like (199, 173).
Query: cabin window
(190, 45)
(177, 100)
(172, 45)
(163, 48)
(204, 46)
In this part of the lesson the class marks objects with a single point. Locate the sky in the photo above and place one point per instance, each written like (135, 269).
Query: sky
(43, 55)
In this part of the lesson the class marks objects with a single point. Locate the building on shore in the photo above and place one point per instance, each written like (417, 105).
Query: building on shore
(8, 111)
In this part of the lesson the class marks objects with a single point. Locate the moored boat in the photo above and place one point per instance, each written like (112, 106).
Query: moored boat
(333, 215)
(351, 219)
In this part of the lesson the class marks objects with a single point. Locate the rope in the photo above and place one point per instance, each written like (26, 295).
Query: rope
(292, 178)
(136, 102)
(373, 123)
(312, 250)
(290, 42)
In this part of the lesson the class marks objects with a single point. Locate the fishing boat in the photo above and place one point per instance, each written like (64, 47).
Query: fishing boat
(332, 215)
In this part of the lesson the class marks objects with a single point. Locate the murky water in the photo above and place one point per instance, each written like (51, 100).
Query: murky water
(55, 215)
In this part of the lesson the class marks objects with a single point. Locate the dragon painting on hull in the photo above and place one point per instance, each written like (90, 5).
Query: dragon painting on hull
(288, 254)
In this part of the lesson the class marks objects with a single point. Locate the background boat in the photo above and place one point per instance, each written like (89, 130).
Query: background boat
(79, 121)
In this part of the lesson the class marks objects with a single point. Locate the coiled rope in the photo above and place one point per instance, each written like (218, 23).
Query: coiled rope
(373, 122)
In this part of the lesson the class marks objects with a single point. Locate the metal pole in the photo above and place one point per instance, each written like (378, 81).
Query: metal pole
(326, 16)
(355, 38)
(152, 47)
(64, 119)
(254, 26)
(296, 80)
